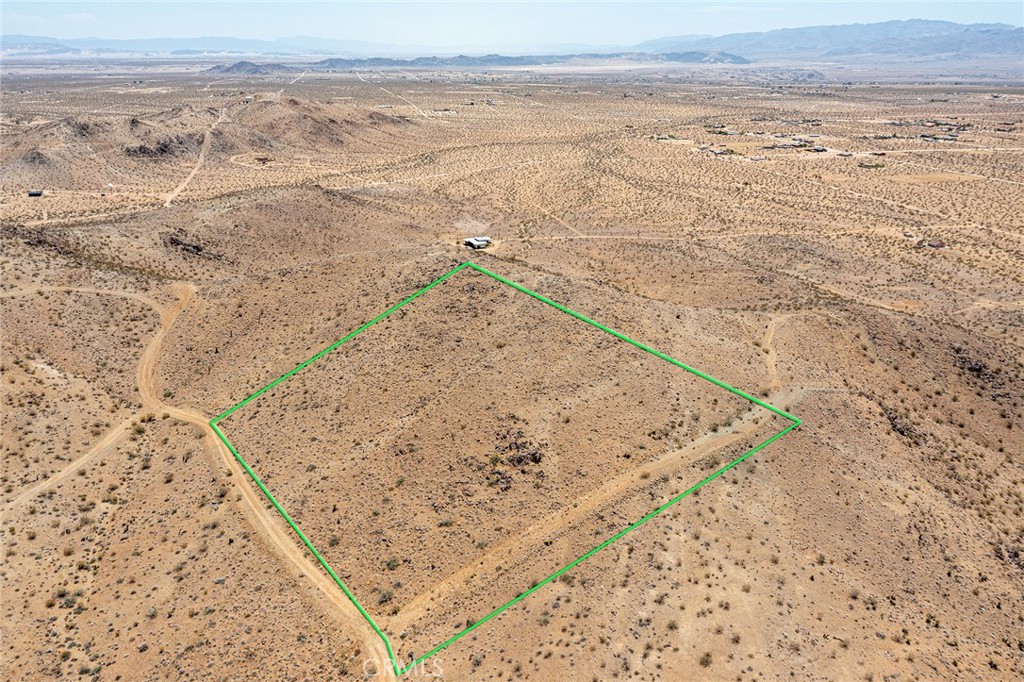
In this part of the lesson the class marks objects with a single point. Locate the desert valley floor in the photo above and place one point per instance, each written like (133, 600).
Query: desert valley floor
(852, 254)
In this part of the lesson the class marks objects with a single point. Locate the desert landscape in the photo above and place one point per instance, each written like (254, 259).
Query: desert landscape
(851, 253)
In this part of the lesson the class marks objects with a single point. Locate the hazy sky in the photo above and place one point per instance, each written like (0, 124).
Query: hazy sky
(468, 23)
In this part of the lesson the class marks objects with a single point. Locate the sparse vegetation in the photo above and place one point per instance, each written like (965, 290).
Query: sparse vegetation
(879, 301)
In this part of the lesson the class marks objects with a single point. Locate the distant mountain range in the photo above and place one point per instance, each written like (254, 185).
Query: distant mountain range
(885, 41)
(301, 45)
(492, 60)
(913, 38)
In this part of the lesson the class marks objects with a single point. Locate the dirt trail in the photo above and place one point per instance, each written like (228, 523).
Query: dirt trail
(207, 141)
(889, 202)
(144, 377)
(988, 304)
(558, 220)
(86, 219)
(409, 102)
(613, 489)
(771, 356)
(109, 438)
(957, 172)
(617, 487)
(396, 96)
(282, 541)
(147, 362)
(147, 359)
(855, 193)
(268, 524)
(455, 175)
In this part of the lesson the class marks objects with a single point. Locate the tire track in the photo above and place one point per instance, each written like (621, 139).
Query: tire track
(207, 141)
(269, 527)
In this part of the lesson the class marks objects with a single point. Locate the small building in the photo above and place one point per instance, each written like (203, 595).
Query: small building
(477, 242)
(35, 192)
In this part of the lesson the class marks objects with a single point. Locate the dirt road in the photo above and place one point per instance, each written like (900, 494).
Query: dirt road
(280, 539)
(110, 438)
(615, 488)
(207, 140)
(270, 528)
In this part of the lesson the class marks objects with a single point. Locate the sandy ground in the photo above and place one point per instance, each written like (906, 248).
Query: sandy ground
(200, 237)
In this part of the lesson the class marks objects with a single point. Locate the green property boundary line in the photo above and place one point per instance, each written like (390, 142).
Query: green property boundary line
(398, 669)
